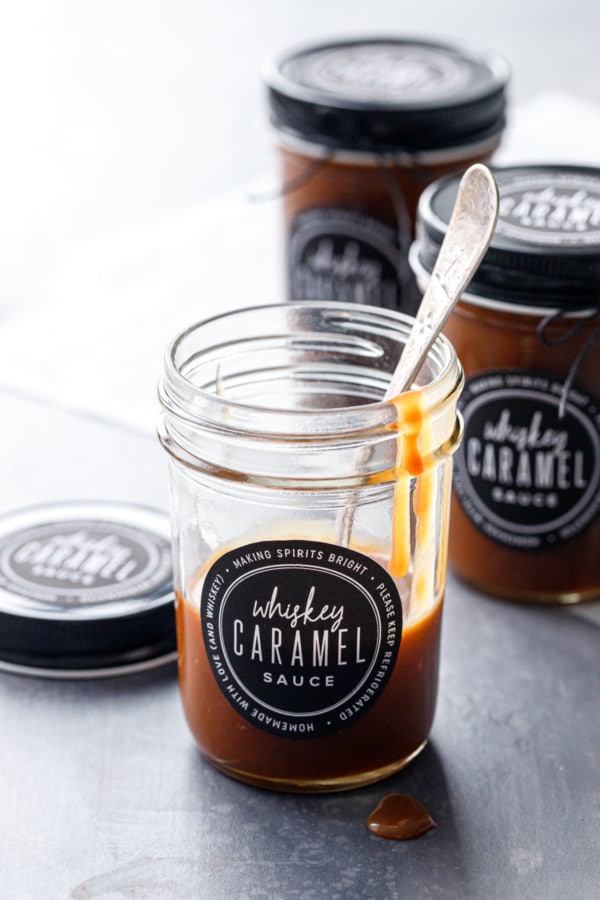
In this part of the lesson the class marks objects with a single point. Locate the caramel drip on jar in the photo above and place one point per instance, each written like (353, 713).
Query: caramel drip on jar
(415, 440)
(400, 555)
(423, 586)
(409, 462)
(410, 421)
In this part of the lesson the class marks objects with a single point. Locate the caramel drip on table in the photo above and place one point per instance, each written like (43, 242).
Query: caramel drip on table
(399, 817)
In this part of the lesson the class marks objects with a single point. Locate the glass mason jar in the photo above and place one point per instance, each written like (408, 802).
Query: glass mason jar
(526, 498)
(362, 127)
(310, 522)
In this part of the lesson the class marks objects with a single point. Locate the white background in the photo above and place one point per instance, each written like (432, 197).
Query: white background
(132, 134)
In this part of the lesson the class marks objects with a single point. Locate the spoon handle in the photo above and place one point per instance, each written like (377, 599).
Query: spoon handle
(467, 238)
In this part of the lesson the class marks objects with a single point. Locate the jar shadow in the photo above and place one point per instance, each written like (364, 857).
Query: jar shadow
(269, 839)
(423, 779)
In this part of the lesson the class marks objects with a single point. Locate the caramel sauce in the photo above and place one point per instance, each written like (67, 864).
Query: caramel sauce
(386, 737)
(409, 462)
(400, 557)
(410, 424)
(399, 817)
(413, 462)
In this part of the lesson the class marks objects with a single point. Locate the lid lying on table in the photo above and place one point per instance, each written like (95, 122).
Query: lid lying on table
(86, 590)
(388, 94)
(545, 251)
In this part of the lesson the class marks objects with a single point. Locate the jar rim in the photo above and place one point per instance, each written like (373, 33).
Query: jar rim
(180, 396)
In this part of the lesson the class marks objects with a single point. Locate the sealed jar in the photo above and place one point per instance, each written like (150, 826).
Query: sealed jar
(310, 522)
(362, 127)
(526, 498)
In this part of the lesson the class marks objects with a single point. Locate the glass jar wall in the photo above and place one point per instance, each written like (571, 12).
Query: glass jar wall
(310, 522)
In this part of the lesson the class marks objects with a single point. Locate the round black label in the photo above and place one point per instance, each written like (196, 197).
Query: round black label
(342, 255)
(528, 473)
(302, 636)
(63, 565)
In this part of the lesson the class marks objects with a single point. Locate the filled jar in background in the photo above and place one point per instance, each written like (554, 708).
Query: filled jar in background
(310, 524)
(363, 127)
(526, 498)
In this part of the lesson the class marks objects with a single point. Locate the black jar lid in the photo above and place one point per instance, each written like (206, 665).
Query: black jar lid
(86, 589)
(546, 248)
(387, 95)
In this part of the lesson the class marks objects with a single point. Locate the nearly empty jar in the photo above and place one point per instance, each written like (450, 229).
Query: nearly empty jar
(363, 126)
(310, 524)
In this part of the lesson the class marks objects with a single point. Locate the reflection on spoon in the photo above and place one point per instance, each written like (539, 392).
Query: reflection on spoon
(468, 236)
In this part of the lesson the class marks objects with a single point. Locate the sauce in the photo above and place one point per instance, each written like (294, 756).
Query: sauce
(399, 817)
(396, 727)
(380, 742)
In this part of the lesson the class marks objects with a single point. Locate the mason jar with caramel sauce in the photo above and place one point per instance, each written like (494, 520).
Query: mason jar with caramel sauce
(362, 128)
(310, 524)
(526, 497)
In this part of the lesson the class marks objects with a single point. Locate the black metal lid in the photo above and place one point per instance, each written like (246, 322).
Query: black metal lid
(387, 95)
(86, 589)
(546, 248)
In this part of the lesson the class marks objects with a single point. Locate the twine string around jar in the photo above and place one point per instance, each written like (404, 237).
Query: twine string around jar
(384, 164)
(403, 223)
(295, 183)
(569, 334)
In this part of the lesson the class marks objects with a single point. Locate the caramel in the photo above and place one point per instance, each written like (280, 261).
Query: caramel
(399, 817)
(380, 742)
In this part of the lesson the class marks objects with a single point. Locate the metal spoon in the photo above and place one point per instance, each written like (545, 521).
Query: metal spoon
(467, 238)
